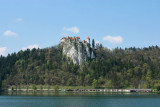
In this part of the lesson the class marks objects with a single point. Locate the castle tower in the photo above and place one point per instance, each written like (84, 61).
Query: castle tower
(88, 40)
(78, 38)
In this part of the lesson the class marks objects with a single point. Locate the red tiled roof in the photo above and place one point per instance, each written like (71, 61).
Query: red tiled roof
(70, 37)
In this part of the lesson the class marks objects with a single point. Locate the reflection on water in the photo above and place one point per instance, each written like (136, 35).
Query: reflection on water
(42, 93)
(69, 99)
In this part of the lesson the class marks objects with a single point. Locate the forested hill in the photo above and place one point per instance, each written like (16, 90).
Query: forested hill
(118, 68)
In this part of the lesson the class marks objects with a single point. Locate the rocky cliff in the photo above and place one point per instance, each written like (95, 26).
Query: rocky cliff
(79, 51)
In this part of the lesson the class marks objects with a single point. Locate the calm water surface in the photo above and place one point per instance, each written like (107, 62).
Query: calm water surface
(79, 100)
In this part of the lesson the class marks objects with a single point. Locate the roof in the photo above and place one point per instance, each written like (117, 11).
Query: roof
(78, 37)
(88, 38)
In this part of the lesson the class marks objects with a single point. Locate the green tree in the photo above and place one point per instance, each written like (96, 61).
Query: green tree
(93, 43)
(34, 87)
(56, 88)
(94, 83)
(158, 88)
(149, 75)
(117, 68)
(4, 84)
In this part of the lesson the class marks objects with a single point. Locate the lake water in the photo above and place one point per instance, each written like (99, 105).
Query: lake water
(79, 100)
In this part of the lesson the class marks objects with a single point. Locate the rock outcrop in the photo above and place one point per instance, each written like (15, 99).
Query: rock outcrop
(79, 51)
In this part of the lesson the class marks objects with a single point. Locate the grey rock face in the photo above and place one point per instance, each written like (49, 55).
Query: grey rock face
(76, 50)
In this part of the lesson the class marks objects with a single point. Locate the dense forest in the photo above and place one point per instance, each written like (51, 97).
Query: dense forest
(117, 68)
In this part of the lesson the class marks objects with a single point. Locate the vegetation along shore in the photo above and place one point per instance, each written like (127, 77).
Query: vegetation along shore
(81, 64)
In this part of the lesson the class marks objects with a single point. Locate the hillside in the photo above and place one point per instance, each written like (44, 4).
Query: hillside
(118, 68)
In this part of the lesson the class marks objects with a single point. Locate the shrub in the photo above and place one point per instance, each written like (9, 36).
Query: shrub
(158, 88)
(34, 87)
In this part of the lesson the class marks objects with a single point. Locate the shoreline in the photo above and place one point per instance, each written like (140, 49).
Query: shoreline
(81, 90)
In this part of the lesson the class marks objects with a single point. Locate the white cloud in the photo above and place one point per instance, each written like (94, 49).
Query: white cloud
(19, 19)
(72, 29)
(30, 47)
(3, 51)
(112, 39)
(97, 42)
(10, 33)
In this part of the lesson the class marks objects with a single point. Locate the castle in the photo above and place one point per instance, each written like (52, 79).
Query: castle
(75, 38)
(79, 51)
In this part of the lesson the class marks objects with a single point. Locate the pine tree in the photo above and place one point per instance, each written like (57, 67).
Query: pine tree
(93, 43)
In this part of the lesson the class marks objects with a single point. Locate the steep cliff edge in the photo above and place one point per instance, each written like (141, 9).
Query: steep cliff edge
(79, 51)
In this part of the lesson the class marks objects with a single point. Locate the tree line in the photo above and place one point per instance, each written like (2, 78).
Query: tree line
(117, 68)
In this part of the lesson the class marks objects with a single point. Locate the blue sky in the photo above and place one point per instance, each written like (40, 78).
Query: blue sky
(42, 23)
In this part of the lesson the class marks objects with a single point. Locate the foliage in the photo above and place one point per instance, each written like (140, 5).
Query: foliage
(93, 43)
(56, 88)
(95, 83)
(117, 68)
(158, 88)
(34, 87)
